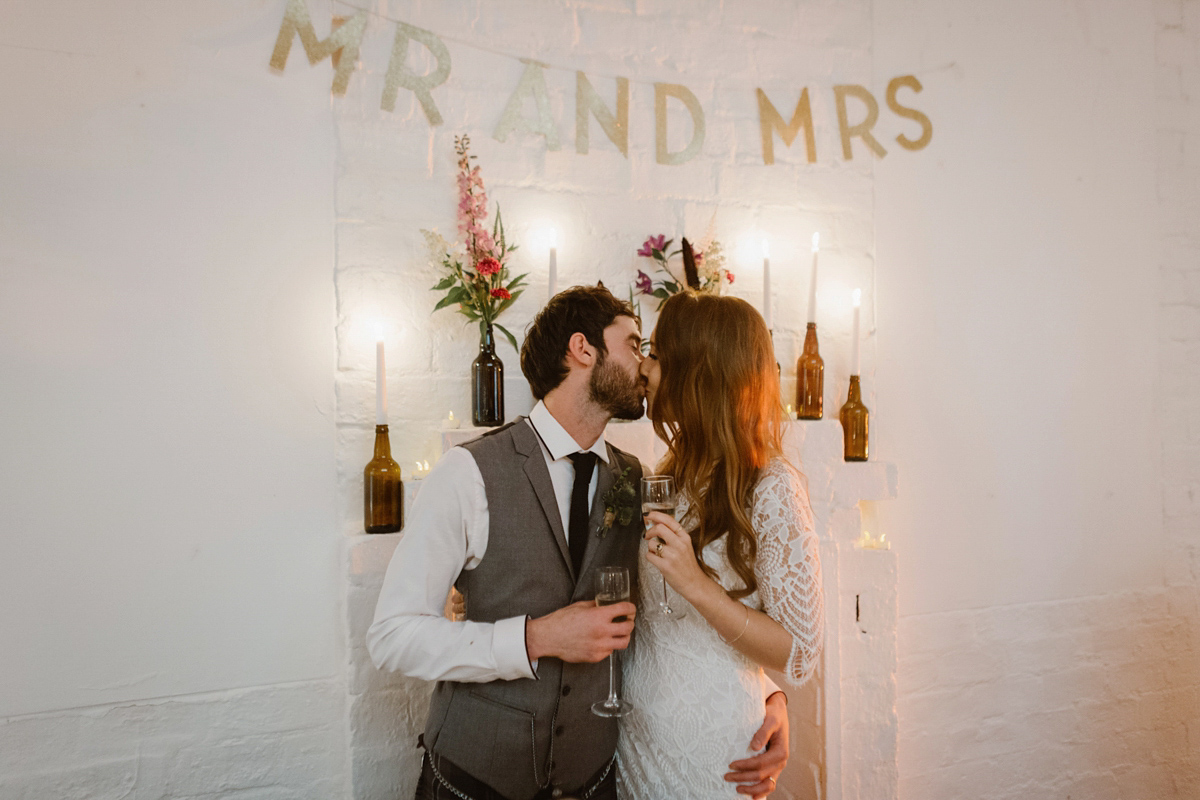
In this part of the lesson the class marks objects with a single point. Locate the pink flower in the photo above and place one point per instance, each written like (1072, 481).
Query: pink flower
(651, 244)
(729, 276)
(501, 294)
(643, 283)
(488, 266)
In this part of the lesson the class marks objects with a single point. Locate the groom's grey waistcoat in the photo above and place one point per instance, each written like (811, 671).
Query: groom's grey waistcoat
(503, 732)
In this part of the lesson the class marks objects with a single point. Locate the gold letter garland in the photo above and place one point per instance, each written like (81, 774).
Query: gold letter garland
(661, 92)
(769, 121)
(346, 38)
(616, 128)
(862, 129)
(533, 83)
(927, 127)
(400, 76)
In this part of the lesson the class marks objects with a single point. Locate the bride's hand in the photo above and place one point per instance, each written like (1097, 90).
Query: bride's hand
(669, 548)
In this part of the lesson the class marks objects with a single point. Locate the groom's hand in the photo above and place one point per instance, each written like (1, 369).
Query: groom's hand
(581, 632)
(757, 775)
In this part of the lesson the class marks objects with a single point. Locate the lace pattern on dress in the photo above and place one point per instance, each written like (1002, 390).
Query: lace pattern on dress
(788, 566)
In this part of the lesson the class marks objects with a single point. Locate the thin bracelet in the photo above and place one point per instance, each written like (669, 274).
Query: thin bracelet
(744, 627)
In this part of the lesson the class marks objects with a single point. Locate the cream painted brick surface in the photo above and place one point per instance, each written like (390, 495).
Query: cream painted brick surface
(263, 742)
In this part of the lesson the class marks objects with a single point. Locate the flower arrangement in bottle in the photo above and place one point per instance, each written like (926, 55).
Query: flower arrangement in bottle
(477, 278)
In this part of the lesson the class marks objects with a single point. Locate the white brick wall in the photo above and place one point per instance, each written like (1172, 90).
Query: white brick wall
(1095, 697)
(258, 743)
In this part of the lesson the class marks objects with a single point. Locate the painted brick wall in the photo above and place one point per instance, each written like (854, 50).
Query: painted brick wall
(1094, 697)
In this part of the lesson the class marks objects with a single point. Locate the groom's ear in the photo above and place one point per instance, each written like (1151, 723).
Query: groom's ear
(580, 350)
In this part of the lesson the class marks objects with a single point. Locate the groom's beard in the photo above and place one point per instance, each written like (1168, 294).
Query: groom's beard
(614, 391)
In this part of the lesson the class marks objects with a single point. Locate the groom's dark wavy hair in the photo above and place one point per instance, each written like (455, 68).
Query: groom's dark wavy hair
(580, 309)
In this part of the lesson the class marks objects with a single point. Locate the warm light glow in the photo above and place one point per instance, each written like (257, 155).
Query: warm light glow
(816, 241)
(766, 248)
(427, 466)
(379, 331)
(552, 238)
(450, 416)
(857, 298)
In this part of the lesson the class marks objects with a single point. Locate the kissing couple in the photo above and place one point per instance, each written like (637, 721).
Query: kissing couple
(522, 519)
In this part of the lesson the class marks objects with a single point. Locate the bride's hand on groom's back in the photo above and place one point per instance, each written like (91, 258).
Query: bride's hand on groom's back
(581, 632)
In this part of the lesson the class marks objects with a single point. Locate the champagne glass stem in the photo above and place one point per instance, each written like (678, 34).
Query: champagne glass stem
(613, 700)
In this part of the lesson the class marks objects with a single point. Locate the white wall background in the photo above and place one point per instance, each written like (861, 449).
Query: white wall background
(193, 251)
(168, 572)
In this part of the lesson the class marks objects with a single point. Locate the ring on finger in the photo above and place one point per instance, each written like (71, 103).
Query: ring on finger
(772, 780)
(658, 549)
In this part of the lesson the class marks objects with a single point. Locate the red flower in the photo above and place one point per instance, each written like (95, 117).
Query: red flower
(501, 294)
(729, 276)
(488, 266)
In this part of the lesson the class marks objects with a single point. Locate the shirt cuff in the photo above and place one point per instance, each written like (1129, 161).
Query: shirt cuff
(508, 648)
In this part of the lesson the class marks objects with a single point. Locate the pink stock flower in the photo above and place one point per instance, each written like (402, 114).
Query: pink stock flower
(488, 266)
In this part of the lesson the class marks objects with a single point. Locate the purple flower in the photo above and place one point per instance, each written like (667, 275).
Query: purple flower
(651, 244)
(643, 283)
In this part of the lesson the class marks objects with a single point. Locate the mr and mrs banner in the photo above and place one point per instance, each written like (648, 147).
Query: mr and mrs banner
(342, 45)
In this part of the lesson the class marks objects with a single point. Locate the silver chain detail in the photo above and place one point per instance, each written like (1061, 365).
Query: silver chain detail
(454, 790)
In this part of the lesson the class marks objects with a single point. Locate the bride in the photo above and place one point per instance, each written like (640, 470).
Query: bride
(753, 597)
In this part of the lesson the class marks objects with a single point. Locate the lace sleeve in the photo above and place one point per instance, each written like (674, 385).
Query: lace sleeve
(788, 566)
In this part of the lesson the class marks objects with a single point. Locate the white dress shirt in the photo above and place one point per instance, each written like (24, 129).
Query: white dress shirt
(445, 533)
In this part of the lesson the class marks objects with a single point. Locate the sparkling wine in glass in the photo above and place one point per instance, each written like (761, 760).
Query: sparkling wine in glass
(658, 494)
(612, 586)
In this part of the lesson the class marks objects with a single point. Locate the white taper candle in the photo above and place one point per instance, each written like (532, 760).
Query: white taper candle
(812, 284)
(380, 386)
(766, 251)
(553, 262)
(854, 353)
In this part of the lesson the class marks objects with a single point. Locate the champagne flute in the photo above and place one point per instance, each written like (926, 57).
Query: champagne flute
(658, 494)
(612, 586)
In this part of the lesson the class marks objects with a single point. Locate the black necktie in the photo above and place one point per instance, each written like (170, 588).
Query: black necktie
(577, 530)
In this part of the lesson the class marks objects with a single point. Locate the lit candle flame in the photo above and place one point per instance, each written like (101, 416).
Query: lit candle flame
(857, 298)
(816, 242)
(766, 249)
(552, 237)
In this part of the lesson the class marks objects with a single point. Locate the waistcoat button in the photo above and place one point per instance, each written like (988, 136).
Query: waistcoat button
(566, 691)
(559, 730)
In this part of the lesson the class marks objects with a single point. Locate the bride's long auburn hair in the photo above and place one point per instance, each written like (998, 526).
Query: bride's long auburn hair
(717, 405)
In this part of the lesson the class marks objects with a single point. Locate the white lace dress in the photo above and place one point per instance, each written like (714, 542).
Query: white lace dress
(697, 700)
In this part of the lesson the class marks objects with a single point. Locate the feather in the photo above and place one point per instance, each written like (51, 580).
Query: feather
(689, 266)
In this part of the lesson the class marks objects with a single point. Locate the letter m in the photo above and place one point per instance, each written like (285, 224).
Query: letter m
(770, 122)
(346, 39)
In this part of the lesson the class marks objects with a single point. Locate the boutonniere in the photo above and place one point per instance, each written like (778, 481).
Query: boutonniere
(620, 502)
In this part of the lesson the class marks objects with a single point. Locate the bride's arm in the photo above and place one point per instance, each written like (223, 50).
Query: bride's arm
(788, 636)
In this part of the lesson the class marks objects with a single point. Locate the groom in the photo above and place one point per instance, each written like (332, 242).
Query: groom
(519, 520)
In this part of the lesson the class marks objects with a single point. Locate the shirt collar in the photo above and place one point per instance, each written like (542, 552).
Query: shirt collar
(555, 437)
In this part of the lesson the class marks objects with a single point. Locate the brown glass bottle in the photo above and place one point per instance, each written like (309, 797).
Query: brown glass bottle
(487, 384)
(854, 424)
(810, 378)
(383, 490)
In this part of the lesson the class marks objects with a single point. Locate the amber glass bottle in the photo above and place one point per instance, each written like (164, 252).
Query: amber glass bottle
(810, 378)
(854, 424)
(383, 490)
(487, 384)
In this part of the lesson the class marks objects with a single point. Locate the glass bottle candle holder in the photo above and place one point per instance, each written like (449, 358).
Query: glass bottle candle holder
(810, 378)
(383, 488)
(854, 417)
